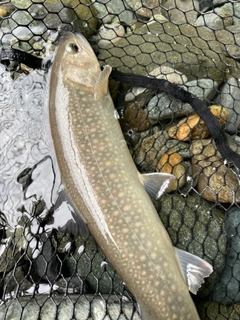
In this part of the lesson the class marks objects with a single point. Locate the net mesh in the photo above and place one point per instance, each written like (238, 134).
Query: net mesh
(47, 274)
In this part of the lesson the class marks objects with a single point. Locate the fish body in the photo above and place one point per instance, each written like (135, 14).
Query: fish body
(102, 181)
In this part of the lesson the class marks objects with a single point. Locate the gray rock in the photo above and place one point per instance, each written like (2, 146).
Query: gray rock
(193, 51)
(163, 106)
(229, 98)
(181, 11)
(236, 16)
(92, 267)
(69, 307)
(221, 18)
(151, 146)
(145, 8)
(147, 152)
(16, 280)
(47, 264)
(227, 290)
(108, 10)
(216, 181)
(195, 226)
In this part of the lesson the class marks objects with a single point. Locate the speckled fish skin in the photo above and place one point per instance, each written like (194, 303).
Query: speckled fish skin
(103, 183)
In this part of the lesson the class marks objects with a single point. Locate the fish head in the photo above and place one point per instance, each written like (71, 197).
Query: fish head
(77, 61)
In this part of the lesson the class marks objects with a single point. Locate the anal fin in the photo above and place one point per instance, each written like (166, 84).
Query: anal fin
(194, 269)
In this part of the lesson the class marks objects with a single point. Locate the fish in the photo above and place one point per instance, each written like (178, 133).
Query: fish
(106, 188)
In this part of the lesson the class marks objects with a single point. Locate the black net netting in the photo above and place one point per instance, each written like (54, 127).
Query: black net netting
(47, 273)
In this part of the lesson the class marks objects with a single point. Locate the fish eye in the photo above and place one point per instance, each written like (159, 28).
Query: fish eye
(72, 48)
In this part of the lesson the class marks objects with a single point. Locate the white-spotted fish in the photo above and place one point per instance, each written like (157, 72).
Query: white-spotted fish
(102, 181)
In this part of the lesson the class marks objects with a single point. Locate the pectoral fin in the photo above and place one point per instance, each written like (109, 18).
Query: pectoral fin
(194, 269)
(101, 86)
(156, 183)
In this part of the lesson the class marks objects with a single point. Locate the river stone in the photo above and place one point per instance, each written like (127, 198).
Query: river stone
(216, 181)
(229, 98)
(221, 18)
(109, 10)
(215, 311)
(70, 307)
(164, 106)
(148, 151)
(161, 72)
(227, 290)
(181, 11)
(193, 51)
(193, 127)
(173, 163)
(145, 8)
(194, 225)
(93, 268)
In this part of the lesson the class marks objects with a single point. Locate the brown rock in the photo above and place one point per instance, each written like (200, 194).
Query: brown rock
(171, 163)
(217, 311)
(135, 118)
(193, 127)
(145, 8)
(216, 182)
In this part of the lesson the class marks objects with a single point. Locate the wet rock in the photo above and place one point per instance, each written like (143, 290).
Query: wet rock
(163, 106)
(77, 307)
(221, 18)
(151, 146)
(215, 311)
(204, 89)
(87, 22)
(169, 74)
(216, 182)
(109, 10)
(47, 264)
(172, 163)
(134, 118)
(17, 280)
(161, 72)
(20, 4)
(193, 127)
(194, 51)
(6, 10)
(227, 290)
(110, 33)
(143, 8)
(181, 11)
(70, 285)
(93, 267)
(135, 114)
(229, 98)
(194, 225)
(148, 151)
